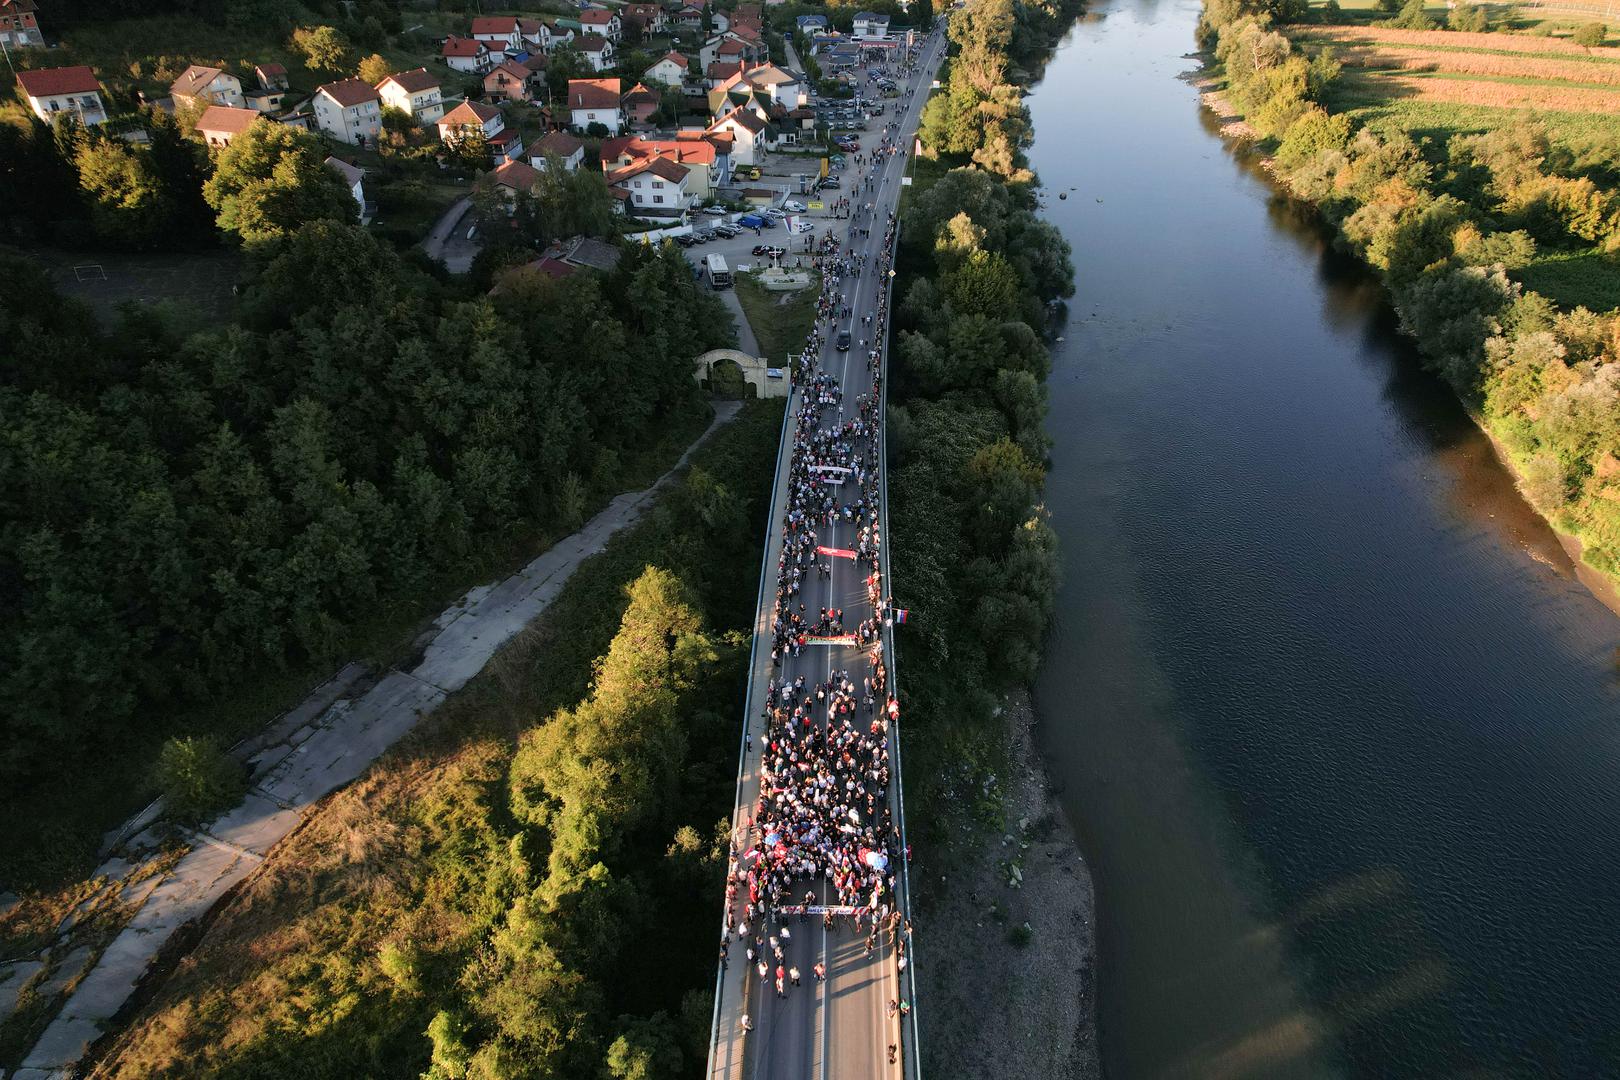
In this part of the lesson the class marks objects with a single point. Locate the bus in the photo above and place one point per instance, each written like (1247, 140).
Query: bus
(719, 273)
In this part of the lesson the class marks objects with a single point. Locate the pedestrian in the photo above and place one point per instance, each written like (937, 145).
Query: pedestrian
(793, 975)
(819, 971)
(747, 1022)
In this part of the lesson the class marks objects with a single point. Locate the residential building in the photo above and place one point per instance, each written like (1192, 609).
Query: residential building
(647, 18)
(505, 144)
(558, 34)
(717, 74)
(532, 35)
(510, 81)
(465, 54)
(870, 25)
(272, 77)
(812, 24)
(513, 178)
(354, 176)
(500, 34)
(349, 110)
(671, 69)
(656, 186)
(219, 124)
(569, 151)
(597, 50)
(639, 105)
(595, 101)
(750, 133)
(732, 47)
(690, 17)
(707, 158)
(720, 21)
(19, 24)
(204, 86)
(601, 21)
(416, 93)
(63, 91)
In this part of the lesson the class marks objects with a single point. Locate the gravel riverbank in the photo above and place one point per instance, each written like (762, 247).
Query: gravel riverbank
(997, 1000)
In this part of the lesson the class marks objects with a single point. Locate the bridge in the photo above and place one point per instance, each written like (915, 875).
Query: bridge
(860, 1020)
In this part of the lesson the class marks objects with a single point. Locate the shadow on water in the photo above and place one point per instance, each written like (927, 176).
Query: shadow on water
(1330, 712)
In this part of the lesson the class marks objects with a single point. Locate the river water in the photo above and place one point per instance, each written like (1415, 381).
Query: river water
(1336, 723)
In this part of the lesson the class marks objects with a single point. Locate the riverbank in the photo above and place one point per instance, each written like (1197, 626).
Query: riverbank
(1235, 129)
(1010, 935)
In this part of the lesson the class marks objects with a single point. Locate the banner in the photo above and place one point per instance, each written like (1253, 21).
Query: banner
(831, 468)
(841, 553)
(847, 639)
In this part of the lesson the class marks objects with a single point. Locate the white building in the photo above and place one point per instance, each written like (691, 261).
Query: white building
(349, 110)
(560, 145)
(354, 176)
(199, 85)
(219, 124)
(595, 101)
(465, 54)
(671, 70)
(870, 25)
(415, 92)
(505, 144)
(597, 50)
(656, 185)
(64, 91)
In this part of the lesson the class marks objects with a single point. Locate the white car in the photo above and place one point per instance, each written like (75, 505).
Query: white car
(773, 212)
(793, 207)
(715, 211)
(805, 226)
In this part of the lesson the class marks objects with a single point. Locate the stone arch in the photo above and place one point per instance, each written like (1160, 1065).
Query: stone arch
(755, 371)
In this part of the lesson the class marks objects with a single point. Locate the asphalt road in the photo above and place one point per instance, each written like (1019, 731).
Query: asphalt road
(839, 1029)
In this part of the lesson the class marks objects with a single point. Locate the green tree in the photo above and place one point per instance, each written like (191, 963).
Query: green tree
(127, 203)
(1590, 34)
(375, 68)
(198, 779)
(647, 1049)
(272, 179)
(323, 48)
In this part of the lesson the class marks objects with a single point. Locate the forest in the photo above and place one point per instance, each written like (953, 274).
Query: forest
(1453, 225)
(974, 556)
(186, 501)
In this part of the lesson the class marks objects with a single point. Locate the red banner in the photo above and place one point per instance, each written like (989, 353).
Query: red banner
(842, 553)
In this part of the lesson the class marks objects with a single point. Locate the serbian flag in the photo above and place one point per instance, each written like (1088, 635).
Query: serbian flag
(901, 615)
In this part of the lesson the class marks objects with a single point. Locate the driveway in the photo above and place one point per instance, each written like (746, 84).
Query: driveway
(448, 242)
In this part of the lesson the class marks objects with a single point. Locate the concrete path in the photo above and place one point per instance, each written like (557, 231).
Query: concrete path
(440, 242)
(746, 341)
(327, 744)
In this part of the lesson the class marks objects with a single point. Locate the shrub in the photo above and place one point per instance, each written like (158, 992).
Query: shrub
(198, 778)
(1590, 35)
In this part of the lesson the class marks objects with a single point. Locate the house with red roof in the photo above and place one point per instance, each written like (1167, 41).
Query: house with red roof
(416, 93)
(706, 161)
(598, 50)
(569, 151)
(514, 178)
(505, 144)
(595, 20)
(465, 54)
(500, 34)
(646, 18)
(595, 101)
(219, 124)
(64, 91)
(201, 85)
(671, 69)
(512, 81)
(656, 186)
(349, 110)
(19, 24)
(639, 105)
(750, 134)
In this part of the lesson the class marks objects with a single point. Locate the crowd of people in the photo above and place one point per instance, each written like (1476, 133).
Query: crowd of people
(822, 836)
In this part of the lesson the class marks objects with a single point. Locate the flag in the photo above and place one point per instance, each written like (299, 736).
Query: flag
(901, 615)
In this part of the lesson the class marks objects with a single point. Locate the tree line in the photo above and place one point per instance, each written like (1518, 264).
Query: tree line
(1447, 225)
(974, 557)
(184, 502)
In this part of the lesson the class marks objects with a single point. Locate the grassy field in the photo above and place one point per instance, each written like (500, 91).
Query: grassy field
(780, 320)
(1585, 278)
(294, 976)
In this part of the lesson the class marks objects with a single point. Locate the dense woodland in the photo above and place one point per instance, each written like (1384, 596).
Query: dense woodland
(1447, 224)
(186, 500)
(974, 557)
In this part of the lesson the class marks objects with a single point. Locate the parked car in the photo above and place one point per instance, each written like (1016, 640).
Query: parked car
(728, 230)
(752, 221)
(715, 211)
(686, 240)
(830, 182)
(768, 250)
(793, 206)
(775, 213)
(805, 227)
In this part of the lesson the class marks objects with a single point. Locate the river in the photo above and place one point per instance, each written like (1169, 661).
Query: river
(1337, 725)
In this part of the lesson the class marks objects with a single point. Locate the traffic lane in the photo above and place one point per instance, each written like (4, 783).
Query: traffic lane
(788, 1027)
(858, 1008)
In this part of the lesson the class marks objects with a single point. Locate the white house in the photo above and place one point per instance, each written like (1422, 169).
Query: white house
(199, 85)
(505, 144)
(671, 70)
(501, 34)
(219, 124)
(748, 132)
(63, 91)
(601, 21)
(349, 110)
(534, 35)
(870, 25)
(354, 176)
(415, 92)
(560, 145)
(465, 54)
(597, 50)
(655, 185)
(595, 101)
